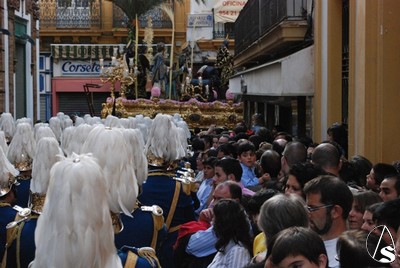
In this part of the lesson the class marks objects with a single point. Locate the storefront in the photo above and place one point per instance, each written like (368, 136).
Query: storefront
(281, 90)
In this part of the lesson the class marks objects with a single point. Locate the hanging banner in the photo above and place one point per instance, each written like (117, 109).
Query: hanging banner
(228, 10)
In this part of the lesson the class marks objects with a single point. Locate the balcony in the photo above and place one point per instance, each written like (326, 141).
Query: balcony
(159, 19)
(222, 30)
(268, 27)
(75, 14)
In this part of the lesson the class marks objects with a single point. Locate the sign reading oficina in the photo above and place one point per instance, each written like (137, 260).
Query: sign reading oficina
(77, 68)
(228, 10)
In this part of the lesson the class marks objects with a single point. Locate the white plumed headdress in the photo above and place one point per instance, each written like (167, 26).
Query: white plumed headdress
(75, 228)
(22, 147)
(163, 141)
(7, 124)
(135, 145)
(7, 174)
(109, 147)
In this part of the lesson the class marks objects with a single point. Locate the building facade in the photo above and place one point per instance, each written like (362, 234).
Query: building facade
(19, 54)
(274, 57)
(350, 76)
(79, 33)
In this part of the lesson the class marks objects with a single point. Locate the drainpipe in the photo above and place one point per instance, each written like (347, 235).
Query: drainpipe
(6, 60)
(37, 73)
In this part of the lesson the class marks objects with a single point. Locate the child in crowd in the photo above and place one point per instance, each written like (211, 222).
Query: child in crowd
(205, 191)
(247, 157)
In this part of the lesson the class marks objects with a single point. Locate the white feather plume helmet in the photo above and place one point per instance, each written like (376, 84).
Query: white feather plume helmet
(79, 137)
(7, 124)
(109, 147)
(55, 125)
(22, 147)
(66, 139)
(182, 124)
(67, 122)
(44, 131)
(163, 141)
(132, 122)
(76, 185)
(37, 126)
(47, 154)
(3, 142)
(112, 121)
(124, 122)
(135, 145)
(79, 120)
(24, 120)
(7, 174)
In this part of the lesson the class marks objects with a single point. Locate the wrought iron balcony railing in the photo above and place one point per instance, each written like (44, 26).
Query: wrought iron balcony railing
(222, 30)
(67, 14)
(159, 19)
(260, 16)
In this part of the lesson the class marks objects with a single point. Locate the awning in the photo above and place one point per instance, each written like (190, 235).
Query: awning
(88, 51)
(289, 76)
(83, 52)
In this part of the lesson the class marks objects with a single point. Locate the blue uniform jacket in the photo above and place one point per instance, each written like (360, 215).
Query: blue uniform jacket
(7, 215)
(144, 229)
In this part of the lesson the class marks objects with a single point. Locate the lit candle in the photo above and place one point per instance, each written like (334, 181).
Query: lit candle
(115, 51)
(113, 60)
(135, 70)
(126, 72)
(187, 80)
(200, 80)
(101, 62)
(183, 88)
(131, 62)
(190, 71)
(207, 90)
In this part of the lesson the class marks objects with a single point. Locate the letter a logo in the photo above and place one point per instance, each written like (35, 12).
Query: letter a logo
(379, 250)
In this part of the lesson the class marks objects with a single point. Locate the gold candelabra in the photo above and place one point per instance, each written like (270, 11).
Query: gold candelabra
(118, 71)
(188, 89)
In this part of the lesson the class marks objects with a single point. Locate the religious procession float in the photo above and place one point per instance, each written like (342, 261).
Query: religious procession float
(148, 82)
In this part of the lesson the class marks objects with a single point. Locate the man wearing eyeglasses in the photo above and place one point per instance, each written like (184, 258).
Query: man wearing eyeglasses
(329, 202)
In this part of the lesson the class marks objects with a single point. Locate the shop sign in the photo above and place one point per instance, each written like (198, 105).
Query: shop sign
(228, 10)
(200, 20)
(77, 68)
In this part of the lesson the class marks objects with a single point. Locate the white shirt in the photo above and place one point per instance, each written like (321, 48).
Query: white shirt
(330, 246)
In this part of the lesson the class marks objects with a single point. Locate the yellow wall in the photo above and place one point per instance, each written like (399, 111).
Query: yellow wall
(328, 66)
(374, 79)
(375, 95)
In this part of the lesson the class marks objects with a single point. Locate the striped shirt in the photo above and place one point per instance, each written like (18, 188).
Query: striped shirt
(234, 255)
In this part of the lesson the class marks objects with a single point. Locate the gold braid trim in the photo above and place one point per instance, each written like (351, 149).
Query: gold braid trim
(116, 222)
(173, 204)
(150, 255)
(24, 166)
(161, 173)
(2, 204)
(37, 202)
(158, 222)
(131, 260)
